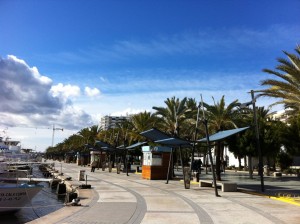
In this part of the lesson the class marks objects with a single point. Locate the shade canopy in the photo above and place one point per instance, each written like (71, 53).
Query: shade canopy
(222, 135)
(105, 146)
(155, 134)
(174, 142)
(160, 137)
(131, 147)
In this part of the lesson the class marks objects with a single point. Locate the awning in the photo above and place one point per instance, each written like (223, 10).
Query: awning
(223, 134)
(105, 146)
(160, 137)
(174, 142)
(131, 147)
(154, 134)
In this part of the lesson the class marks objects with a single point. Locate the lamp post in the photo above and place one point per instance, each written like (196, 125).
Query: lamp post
(194, 140)
(260, 160)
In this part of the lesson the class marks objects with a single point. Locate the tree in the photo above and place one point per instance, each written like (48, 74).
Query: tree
(88, 135)
(141, 122)
(269, 135)
(221, 118)
(173, 115)
(286, 85)
(290, 136)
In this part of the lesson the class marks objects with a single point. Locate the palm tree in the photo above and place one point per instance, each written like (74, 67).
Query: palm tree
(173, 115)
(141, 122)
(221, 118)
(286, 85)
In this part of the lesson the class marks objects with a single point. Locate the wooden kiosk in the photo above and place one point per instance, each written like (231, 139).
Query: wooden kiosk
(97, 156)
(155, 162)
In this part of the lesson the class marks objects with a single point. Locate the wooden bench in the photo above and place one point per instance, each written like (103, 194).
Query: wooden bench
(225, 186)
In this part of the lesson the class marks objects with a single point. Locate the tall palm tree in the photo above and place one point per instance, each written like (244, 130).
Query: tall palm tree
(143, 121)
(286, 85)
(88, 135)
(221, 118)
(173, 115)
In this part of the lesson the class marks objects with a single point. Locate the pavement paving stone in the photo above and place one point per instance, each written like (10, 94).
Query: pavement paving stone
(118, 198)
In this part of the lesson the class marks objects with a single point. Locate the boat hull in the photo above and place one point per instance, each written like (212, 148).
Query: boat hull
(13, 198)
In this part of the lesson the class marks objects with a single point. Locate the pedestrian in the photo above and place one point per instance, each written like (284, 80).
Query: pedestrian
(200, 164)
(94, 165)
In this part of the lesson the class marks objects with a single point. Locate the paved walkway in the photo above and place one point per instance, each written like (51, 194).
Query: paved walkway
(118, 198)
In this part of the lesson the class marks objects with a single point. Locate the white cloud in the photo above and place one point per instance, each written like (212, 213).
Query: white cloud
(65, 91)
(29, 99)
(91, 92)
(34, 71)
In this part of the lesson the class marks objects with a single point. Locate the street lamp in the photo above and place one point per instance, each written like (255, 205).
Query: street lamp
(260, 160)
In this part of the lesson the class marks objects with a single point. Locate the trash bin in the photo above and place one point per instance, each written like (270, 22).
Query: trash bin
(81, 175)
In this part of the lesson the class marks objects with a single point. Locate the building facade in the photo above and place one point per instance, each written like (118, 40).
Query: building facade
(108, 122)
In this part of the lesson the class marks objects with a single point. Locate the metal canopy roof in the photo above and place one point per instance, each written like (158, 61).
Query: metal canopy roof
(154, 134)
(223, 134)
(105, 146)
(160, 137)
(135, 145)
(174, 142)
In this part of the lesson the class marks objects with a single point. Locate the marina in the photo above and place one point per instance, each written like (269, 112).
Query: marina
(25, 192)
(44, 202)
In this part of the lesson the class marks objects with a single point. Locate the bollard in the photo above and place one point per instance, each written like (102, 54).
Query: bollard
(61, 189)
(70, 196)
(54, 183)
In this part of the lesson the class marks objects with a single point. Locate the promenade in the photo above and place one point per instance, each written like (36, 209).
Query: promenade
(118, 198)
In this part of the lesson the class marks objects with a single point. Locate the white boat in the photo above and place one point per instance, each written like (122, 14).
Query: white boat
(12, 161)
(13, 194)
(9, 146)
(13, 197)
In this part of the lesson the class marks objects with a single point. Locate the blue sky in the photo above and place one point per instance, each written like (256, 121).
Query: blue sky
(70, 62)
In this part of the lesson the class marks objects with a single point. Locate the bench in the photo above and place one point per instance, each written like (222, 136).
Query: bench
(225, 186)
(277, 174)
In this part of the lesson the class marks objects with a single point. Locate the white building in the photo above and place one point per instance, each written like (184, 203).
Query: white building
(108, 122)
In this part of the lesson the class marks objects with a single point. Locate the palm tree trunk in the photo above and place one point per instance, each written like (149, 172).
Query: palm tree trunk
(245, 163)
